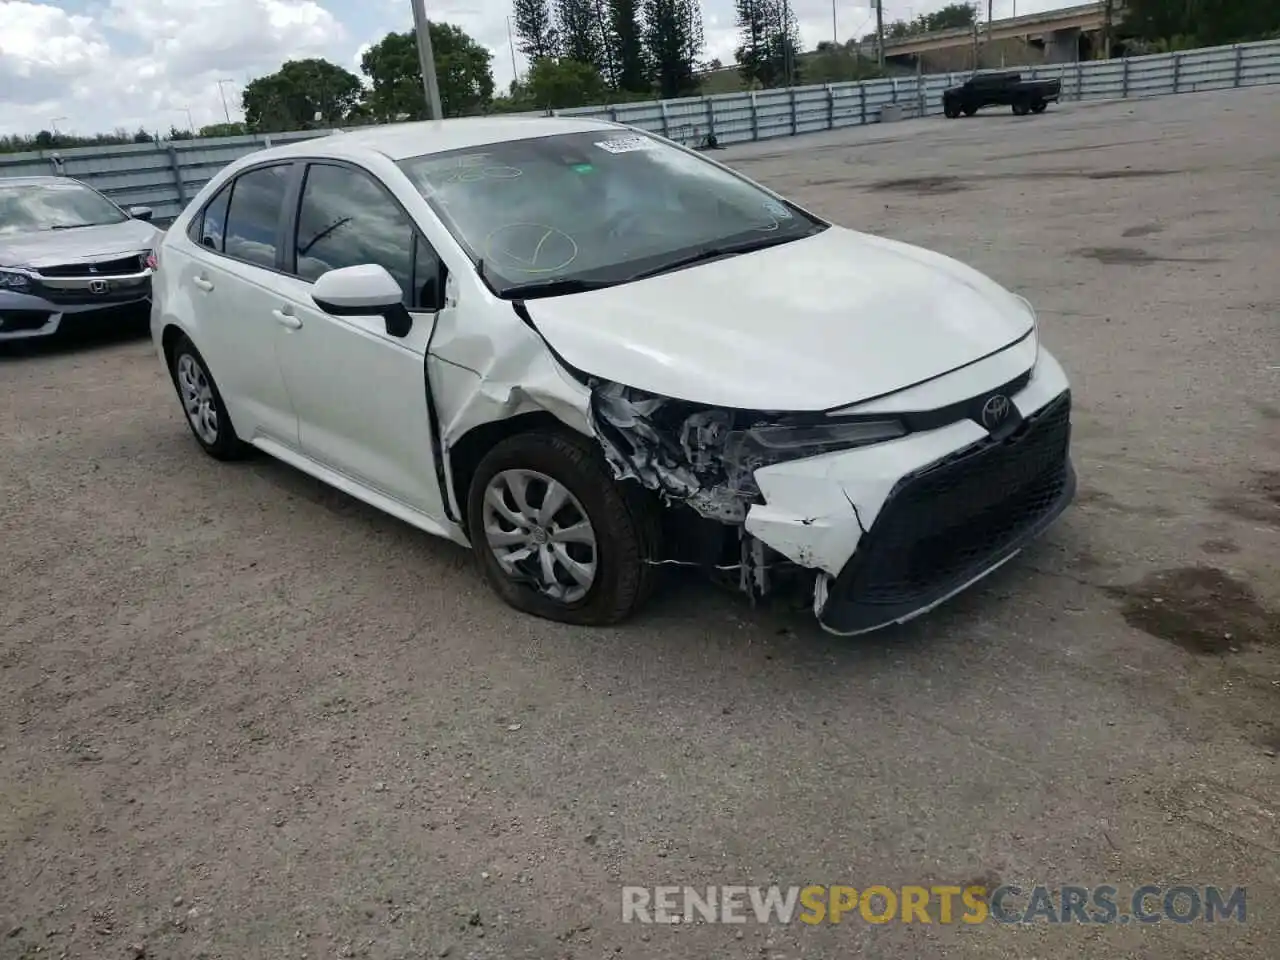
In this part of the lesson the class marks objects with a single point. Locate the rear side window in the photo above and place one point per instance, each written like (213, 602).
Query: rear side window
(346, 219)
(209, 228)
(254, 214)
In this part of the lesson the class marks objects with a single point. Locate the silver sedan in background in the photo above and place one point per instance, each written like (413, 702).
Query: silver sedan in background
(67, 251)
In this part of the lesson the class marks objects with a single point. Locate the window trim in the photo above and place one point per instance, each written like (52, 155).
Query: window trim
(295, 219)
(290, 193)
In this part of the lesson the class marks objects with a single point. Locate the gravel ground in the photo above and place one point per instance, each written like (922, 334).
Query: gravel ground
(245, 716)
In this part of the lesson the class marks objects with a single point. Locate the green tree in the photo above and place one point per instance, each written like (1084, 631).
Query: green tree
(1203, 22)
(950, 17)
(769, 52)
(222, 130)
(462, 72)
(673, 43)
(564, 83)
(536, 29)
(581, 32)
(299, 94)
(626, 47)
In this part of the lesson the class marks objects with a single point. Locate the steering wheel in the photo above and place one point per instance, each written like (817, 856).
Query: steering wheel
(529, 248)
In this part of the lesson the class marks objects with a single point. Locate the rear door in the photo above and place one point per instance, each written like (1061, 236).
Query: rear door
(360, 394)
(232, 278)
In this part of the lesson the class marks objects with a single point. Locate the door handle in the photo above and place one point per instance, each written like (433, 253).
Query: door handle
(287, 319)
(203, 284)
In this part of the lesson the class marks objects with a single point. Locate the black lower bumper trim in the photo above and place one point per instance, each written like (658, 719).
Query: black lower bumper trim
(955, 521)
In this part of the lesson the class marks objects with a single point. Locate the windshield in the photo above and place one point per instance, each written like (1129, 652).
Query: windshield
(553, 214)
(28, 207)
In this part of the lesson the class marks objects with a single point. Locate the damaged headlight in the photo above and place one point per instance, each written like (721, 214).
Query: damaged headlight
(707, 457)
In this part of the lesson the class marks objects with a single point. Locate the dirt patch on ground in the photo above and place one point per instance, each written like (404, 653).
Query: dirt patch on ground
(1201, 609)
(1260, 503)
(1128, 174)
(1134, 257)
(920, 186)
(1143, 230)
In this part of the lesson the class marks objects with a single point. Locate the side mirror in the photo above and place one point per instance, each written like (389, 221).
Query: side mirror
(361, 291)
(141, 213)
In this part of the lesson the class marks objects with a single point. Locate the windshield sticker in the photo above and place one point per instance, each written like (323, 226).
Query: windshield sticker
(775, 209)
(626, 144)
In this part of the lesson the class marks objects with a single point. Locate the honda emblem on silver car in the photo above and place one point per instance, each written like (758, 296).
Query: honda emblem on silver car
(99, 286)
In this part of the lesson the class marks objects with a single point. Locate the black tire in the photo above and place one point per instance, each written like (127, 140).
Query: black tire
(623, 517)
(1021, 107)
(1039, 106)
(224, 444)
(969, 109)
(950, 110)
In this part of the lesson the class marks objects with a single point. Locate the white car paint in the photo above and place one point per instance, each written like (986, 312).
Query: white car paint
(839, 321)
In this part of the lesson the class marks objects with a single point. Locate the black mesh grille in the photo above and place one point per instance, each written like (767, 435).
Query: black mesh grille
(960, 515)
(121, 266)
(11, 320)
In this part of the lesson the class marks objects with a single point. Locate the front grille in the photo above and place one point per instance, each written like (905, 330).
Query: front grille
(115, 293)
(950, 522)
(121, 266)
(12, 320)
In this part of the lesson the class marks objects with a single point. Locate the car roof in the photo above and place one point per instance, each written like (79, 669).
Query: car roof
(400, 141)
(35, 181)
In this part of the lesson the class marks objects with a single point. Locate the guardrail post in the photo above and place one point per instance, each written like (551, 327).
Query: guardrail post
(613, 113)
(711, 120)
(795, 123)
(755, 117)
(1124, 80)
(862, 102)
(666, 120)
(1079, 80)
(1177, 70)
(175, 165)
(1239, 65)
(831, 108)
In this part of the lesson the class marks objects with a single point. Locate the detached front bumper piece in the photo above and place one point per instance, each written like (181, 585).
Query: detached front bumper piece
(951, 523)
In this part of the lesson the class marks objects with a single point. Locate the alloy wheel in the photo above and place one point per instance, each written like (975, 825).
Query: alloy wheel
(197, 398)
(540, 534)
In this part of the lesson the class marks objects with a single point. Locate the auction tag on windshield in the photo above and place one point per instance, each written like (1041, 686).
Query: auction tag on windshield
(626, 144)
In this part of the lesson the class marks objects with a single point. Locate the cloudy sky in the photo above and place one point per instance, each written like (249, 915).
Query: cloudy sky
(94, 65)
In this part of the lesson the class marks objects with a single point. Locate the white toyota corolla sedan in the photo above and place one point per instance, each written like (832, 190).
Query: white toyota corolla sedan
(587, 352)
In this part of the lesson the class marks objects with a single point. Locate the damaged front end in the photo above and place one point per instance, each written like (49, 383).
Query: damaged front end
(703, 461)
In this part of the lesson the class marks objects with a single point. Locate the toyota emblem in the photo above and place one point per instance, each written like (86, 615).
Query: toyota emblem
(995, 411)
(99, 286)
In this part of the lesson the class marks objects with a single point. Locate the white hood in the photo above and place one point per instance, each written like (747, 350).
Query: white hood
(823, 322)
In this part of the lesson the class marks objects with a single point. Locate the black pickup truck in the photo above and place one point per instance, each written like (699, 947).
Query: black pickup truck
(1000, 89)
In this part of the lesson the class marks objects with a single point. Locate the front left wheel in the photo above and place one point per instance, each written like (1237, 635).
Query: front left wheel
(556, 535)
(202, 403)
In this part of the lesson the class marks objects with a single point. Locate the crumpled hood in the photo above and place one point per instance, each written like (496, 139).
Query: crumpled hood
(46, 247)
(822, 322)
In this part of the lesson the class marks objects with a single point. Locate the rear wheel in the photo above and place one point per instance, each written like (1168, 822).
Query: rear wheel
(969, 109)
(1021, 107)
(1039, 106)
(556, 535)
(202, 403)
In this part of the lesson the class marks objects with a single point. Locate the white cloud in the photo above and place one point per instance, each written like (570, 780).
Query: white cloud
(103, 64)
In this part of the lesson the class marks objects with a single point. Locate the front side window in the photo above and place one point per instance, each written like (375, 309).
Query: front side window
(257, 198)
(596, 208)
(55, 205)
(346, 219)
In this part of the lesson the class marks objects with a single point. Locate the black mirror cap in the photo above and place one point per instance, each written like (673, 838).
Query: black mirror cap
(396, 316)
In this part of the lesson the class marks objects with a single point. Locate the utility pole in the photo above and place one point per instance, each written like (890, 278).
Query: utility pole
(515, 74)
(1106, 30)
(835, 36)
(226, 114)
(427, 58)
(880, 32)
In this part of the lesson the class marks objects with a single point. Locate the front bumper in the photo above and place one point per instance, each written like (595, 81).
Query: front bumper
(894, 529)
(23, 316)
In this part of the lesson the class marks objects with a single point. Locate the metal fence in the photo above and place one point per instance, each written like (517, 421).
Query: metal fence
(165, 176)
